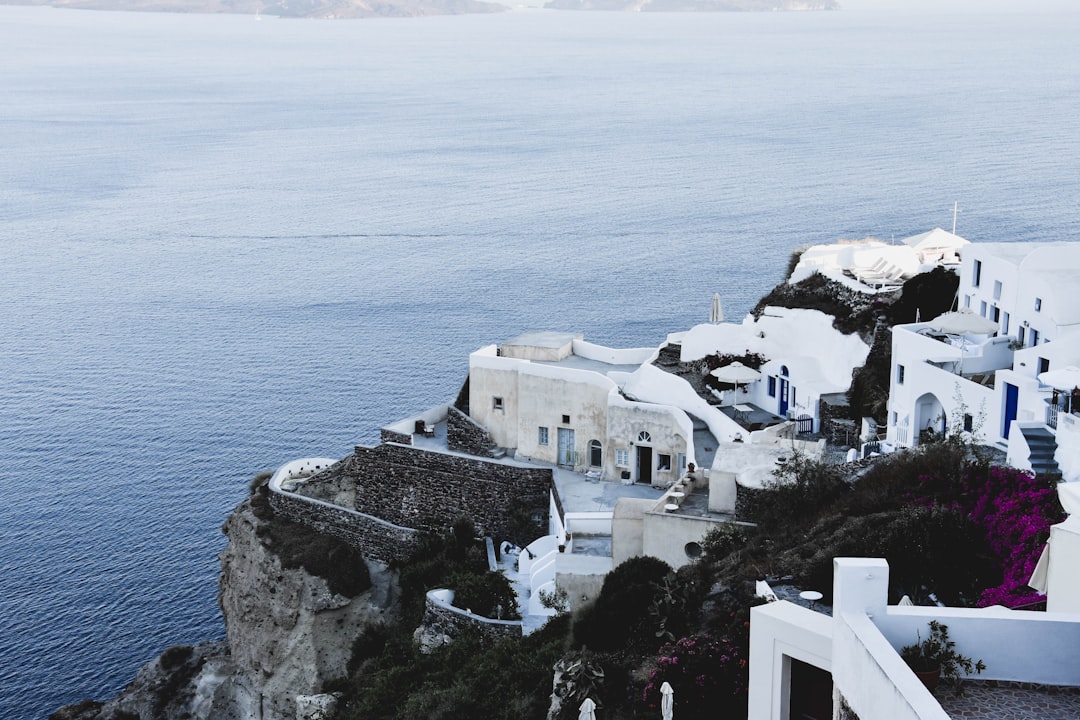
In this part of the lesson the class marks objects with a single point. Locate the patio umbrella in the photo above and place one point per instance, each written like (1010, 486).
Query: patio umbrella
(959, 322)
(716, 313)
(736, 373)
(1065, 378)
(588, 710)
(667, 701)
(1041, 573)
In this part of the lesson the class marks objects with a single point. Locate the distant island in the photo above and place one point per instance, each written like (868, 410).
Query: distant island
(416, 8)
(326, 9)
(694, 5)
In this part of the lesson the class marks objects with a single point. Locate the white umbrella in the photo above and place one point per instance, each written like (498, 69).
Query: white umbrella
(905, 602)
(667, 701)
(736, 373)
(1065, 378)
(963, 321)
(588, 710)
(716, 313)
(1040, 575)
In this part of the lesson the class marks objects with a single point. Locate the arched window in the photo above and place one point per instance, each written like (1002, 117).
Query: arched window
(783, 370)
(596, 453)
(644, 437)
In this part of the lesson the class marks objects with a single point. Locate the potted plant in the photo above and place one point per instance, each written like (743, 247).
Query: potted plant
(935, 658)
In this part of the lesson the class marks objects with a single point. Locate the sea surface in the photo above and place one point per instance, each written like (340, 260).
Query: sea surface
(226, 243)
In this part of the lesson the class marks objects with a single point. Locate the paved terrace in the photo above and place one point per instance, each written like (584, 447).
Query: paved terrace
(998, 700)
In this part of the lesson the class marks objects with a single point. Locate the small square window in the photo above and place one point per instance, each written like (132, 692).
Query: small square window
(622, 457)
(565, 419)
(663, 462)
(542, 436)
(497, 403)
(1038, 304)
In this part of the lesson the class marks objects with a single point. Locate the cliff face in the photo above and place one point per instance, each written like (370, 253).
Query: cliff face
(287, 634)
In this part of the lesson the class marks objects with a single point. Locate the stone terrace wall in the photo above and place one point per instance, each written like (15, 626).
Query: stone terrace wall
(463, 434)
(372, 537)
(390, 436)
(428, 490)
(440, 619)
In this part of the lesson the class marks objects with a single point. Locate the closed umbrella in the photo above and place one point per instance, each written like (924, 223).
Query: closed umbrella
(588, 710)
(1041, 573)
(959, 322)
(716, 313)
(667, 701)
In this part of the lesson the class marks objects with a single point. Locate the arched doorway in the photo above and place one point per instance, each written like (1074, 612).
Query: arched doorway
(782, 405)
(596, 453)
(644, 458)
(930, 420)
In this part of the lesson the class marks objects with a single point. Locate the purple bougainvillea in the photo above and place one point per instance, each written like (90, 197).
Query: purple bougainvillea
(1015, 510)
(708, 675)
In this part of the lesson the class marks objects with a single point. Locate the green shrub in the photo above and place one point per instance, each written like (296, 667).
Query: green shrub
(335, 561)
(489, 594)
(621, 615)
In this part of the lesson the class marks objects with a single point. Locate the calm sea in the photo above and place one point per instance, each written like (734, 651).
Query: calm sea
(226, 243)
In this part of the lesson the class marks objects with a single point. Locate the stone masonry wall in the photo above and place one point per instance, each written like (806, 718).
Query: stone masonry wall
(376, 540)
(442, 620)
(428, 490)
(390, 436)
(463, 434)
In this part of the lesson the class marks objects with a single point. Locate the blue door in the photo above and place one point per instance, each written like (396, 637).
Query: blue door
(782, 409)
(1011, 395)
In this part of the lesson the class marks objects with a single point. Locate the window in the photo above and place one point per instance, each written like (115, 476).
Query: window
(682, 462)
(663, 462)
(542, 436)
(1034, 337)
(967, 301)
(1038, 304)
(997, 289)
(899, 374)
(995, 313)
(772, 386)
(497, 403)
(1044, 365)
(893, 416)
(969, 422)
(1020, 334)
(644, 436)
(622, 457)
(1005, 323)
(982, 308)
(565, 419)
(976, 273)
(596, 454)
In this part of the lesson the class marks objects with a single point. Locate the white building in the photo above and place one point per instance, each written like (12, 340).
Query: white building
(799, 656)
(805, 358)
(987, 383)
(555, 398)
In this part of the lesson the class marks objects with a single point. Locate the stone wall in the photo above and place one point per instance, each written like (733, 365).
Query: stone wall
(444, 621)
(745, 499)
(465, 435)
(391, 436)
(375, 538)
(423, 489)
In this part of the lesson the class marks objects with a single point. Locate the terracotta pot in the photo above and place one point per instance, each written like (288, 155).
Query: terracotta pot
(930, 678)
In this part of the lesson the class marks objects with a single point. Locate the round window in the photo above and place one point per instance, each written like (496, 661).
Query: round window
(692, 550)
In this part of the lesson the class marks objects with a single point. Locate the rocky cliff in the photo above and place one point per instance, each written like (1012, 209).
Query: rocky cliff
(287, 634)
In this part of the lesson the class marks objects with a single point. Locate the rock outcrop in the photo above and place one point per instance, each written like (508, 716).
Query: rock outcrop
(287, 635)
